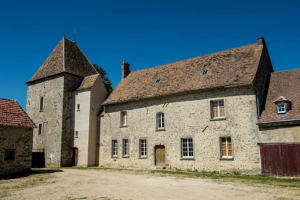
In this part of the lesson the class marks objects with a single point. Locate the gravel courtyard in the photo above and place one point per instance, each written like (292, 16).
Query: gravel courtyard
(109, 184)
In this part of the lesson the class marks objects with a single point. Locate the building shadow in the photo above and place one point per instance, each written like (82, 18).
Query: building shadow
(29, 173)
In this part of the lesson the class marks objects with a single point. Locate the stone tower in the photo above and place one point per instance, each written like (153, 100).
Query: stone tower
(50, 101)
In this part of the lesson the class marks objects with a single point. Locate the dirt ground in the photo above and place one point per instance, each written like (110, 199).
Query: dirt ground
(101, 184)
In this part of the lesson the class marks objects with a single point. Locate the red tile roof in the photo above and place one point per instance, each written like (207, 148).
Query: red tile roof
(66, 57)
(284, 84)
(12, 114)
(231, 67)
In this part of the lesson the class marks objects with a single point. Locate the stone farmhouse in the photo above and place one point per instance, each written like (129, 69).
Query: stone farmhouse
(16, 133)
(63, 99)
(199, 113)
(226, 111)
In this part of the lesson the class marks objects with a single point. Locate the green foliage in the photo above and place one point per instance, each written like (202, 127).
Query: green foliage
(105, 79)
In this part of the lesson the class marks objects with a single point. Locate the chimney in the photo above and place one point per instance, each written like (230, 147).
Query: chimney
(260, 41)
(125, 69)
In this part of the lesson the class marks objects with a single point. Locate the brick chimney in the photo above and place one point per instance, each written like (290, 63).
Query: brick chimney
(260, 41)
(125, 69)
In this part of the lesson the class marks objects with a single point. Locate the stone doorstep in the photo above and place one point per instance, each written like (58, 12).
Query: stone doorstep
(161, 167)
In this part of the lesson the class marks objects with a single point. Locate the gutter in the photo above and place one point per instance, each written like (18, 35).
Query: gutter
(287, 120)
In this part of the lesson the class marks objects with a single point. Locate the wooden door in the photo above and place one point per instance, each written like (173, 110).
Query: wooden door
(75, 156)
(160, 155)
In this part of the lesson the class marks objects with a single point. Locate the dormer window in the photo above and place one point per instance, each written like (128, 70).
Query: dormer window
(281, 108)
(283, 105)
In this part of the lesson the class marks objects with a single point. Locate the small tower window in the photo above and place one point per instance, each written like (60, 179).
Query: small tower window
(78, 107)
(40, 129)
(76, 134)
(41, 104)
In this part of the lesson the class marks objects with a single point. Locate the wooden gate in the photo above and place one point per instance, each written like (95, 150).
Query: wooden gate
(38, 158)
(160, 155)
(280, 159)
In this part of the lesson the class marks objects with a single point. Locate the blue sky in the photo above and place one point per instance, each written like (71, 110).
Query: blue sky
(145, 33)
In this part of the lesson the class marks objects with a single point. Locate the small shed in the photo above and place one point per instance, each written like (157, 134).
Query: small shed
(16, 135)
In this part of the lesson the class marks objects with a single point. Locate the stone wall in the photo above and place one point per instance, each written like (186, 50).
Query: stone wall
(51, 118)
(186, 116)
(280, 134)
(20, 139)
(70, 82)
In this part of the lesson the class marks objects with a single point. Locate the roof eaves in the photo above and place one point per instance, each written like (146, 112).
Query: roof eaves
(178, 93)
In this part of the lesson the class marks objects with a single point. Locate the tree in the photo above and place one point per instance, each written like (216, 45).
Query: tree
(105, 79)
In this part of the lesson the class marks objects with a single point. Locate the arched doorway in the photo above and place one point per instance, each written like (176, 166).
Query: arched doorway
(160, 155)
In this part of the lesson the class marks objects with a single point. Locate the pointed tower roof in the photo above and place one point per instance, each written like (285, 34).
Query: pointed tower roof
(66, 57)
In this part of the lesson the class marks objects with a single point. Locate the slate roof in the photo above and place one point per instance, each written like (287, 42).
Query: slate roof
(12, 114)
(231, 67)
(88, 82)
(66, 57)
(282, 84)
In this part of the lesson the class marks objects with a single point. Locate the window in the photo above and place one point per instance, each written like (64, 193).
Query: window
(187, 148)
(78, 107)
(226, 147)
(124, 118)
(10, 154)
(218, 110)
(143, 148)
(160, 121)
(125, 148)
(76, 134)
(281, 108)
(115, 148)
(40, 129)
(41, 104)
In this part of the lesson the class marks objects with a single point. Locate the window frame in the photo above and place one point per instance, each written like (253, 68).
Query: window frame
(187, 147)
(40, 129)
(114, 149)
(284, 106)
(124, 148)
(125, 124)
(219, 111)
(227, 149)
(41, 103)
(6, 154)
(141, 149)
(163, 121)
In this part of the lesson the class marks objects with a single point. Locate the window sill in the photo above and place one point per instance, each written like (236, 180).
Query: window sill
(125, 156)
(78, 110)
(218, 119)
(142, 157)
(114, 157)
(41, 111)
(160, 129)
(187, 158)
(123, 126)
(229, 159)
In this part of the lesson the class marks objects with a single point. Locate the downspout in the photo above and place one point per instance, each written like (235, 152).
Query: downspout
(257, 101)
